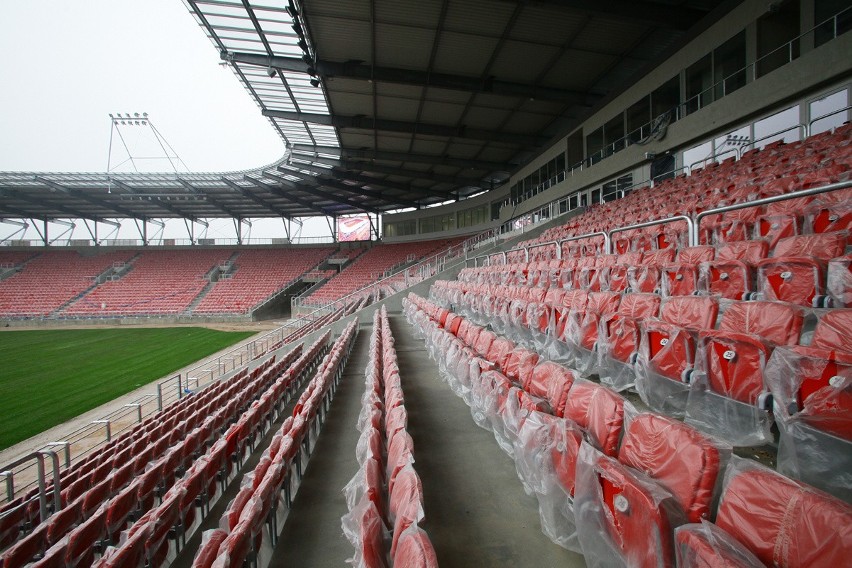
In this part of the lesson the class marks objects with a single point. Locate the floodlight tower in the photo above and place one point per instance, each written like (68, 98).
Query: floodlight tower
(138, 124)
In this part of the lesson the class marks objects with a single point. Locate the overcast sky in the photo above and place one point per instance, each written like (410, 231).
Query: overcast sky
(67, 64)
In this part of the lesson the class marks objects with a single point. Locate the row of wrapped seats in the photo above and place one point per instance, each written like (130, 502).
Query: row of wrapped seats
(807, 270)
(385, 496)
(777, 169)
(266, 493)
(167, 452)
(671, 349)
(539, 411)
(650, 500)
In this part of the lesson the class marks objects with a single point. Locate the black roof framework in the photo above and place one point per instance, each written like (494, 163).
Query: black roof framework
(387, 104)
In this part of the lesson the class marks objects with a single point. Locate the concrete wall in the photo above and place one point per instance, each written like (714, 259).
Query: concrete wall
(813, 71)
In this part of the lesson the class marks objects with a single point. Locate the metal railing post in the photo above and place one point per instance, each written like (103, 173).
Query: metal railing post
(42, 486)
(67, 446)
(179, 389)
(138, 410)
(57, 488)
(10, 484)
(159, 397)
(108, 427)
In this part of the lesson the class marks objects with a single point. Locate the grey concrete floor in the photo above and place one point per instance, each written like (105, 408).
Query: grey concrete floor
(477, 513)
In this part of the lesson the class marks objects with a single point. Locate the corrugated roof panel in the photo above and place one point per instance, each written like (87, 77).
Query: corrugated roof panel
(419, 13)
(404, 47)
(481, 17)
(464, 54)
(522, 62)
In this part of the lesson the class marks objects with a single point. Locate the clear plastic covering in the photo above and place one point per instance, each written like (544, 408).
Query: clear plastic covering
(414, 549)
(623, 517)
(597, 410)
(704, 545)
(619, 339)
(545, 457)
(406, 503)
(368, 482)
(839, 281)
(666, 356)
(364, 529)
(812, 392)
(782, 522)
(683, 460)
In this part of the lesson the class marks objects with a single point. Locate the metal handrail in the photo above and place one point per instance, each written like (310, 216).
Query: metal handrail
(38, 457)
(689, 225)
(764, 201)
(826, 115)
(804, 128)
(607, 244)
(544, 244)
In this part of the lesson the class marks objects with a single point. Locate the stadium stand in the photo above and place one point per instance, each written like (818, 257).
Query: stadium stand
(52, 280)
(371, 266)
(386, 491)
(158, 283)
(257, 275)
(153, 478)
(672, 383)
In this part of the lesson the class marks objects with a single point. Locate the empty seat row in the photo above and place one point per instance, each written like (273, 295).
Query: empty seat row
(808, 270)
(163, 464)
(671, 349)
(266, 493)
(650, 499)
(385, 496)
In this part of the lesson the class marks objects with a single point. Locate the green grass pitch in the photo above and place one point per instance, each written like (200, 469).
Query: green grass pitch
(50, 376)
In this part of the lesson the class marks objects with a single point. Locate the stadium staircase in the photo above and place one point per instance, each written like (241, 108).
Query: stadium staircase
(219, 272)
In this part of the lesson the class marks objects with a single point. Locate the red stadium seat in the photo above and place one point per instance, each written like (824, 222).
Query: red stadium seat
(681, 278)
(667, 351)
(727, 395)
(414, 549)
(619, 344)
(731, 274)
(680, 458)
(797, 271)
(623, 517)
(705, 545)
(784, 523)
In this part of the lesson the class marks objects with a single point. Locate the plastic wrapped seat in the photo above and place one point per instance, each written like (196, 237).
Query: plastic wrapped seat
(545, 454)
(599, 411)
(727, 394)
(645, 277)
(681, 278)
(618, 345)
(782, 522)
(797, 271)
(812, 392)
(704, 545)
(731, 274)
(680, 458)
(406, 504)
(667, 351)
(414, 549)
(624, 518)
(830, 212)
(839, 281)
(581, 331)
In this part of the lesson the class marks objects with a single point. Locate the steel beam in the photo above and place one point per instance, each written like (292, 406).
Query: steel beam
(361, 71)
(367, 123)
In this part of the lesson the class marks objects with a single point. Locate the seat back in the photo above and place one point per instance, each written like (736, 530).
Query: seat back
(773, 321)
(784, 523)
(599, 411)
(683, 460)
(690, 312)
(834, 330)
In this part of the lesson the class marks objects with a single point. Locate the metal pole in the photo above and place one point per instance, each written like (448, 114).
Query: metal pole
(108, 428)
(159, 397)
(67, 446)
(10, 484)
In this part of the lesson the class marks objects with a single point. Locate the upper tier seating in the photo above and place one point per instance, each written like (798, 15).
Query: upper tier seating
(159, 283)
(371, 266)
(51, 280)
(258, 275)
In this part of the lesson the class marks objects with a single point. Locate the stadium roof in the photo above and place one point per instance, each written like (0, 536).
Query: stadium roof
(389, 104)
